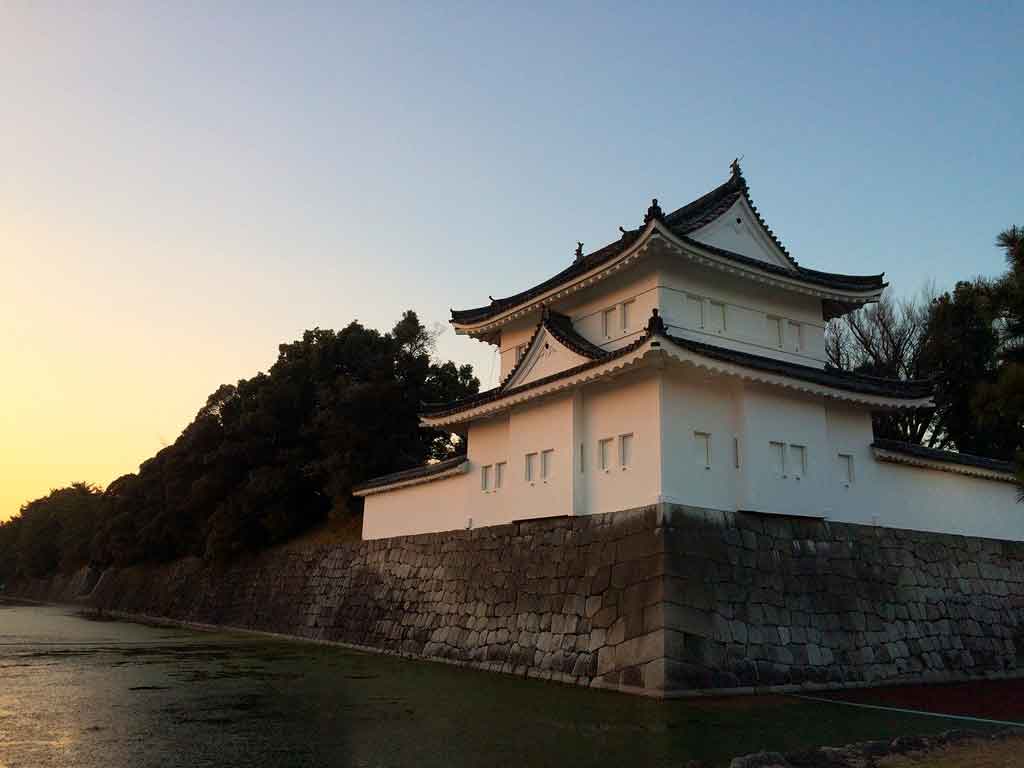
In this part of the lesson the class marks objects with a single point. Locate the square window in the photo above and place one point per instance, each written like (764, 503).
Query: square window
(546, 467)
(627, 314)
(499, 474)
(625, 450)
(531, 467)
(702, 449)
(604, 453)
(845, 468)
(797, 461)
(778, 451)
(608, 322)
(485, 477)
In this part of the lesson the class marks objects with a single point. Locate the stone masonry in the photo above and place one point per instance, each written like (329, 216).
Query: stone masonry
(663, 600)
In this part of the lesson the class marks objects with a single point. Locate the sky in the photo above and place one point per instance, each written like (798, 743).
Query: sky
(184, 186)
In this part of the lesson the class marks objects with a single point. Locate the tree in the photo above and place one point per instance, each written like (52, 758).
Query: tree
(270, 456)
(888, 340)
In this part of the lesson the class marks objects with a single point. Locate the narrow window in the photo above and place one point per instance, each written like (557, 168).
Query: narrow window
(546, 458)
(608, 322)
(499, 474)
(625, 450)
(778, 458)
(716, 317)
(797, 460)
(627, 314)
(582, 465)
(702, 449)
(694, 311)
(604, 453)
(531, 467)
(775, 331)
(794, 336)
(845, 467)
(485, 477)
(736, 451)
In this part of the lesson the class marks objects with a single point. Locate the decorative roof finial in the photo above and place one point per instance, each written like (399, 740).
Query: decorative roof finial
(579, 250)
(735, 166)
(656, 325)
(622, 229)
(654, 213)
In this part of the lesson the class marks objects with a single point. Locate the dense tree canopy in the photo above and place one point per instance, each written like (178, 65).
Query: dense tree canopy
(969, 341)
(263, 460)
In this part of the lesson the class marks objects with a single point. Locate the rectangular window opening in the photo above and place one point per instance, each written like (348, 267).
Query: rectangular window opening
(531, 467)
(794, 336)
(499, 474)
(485, 477)
(797, 461)
(736, 451)
(778, 451)
(627, 314)
(716, 317)
(582, 464)
(694, 311)
(775, 331)
(702, 449)
(608, 322)
(546, 459)
(845, 461)
(604, 453)
(625, 450)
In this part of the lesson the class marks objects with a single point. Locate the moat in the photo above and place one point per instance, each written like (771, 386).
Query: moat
(86, 693)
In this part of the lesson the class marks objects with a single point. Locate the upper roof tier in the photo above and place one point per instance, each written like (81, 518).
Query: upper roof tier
(686, 229)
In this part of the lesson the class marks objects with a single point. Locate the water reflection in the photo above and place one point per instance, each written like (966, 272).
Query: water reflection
(97, 694)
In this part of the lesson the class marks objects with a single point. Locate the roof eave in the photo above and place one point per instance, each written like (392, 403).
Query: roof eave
(694, 251)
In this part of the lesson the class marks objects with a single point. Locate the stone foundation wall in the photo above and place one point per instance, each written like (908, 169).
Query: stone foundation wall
(541, 598)
(664, 600)
(759, 600)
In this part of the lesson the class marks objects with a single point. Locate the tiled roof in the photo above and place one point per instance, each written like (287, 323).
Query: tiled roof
(935, 454)
(560, 326)
(682, 222)
(456, 406)
(416, 473)
(828, 377)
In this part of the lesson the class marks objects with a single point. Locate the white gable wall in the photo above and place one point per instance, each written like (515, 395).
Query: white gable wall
(545, 357)
(738, 230)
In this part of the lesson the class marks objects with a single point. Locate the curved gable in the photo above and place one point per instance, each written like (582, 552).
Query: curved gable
(737, 230)
(545, 356)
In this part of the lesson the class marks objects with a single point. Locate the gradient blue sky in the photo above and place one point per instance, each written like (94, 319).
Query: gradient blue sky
(184, 186)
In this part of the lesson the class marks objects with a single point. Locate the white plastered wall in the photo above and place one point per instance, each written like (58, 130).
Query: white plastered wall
(629, 405)
(737, 230)
(696, 404)
(687, 291)
(426, 508)
(918, 498)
